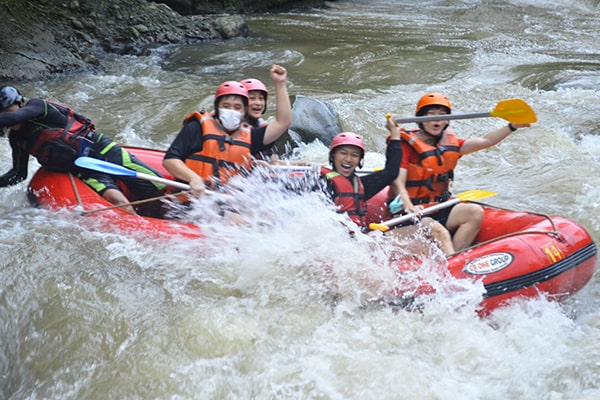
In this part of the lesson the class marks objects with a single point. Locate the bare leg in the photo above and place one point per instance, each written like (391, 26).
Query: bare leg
(118, 198)
(404, 236)
(440, 234)
(466, 219)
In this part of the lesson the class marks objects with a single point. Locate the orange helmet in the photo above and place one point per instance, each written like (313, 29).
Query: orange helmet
(433, 99)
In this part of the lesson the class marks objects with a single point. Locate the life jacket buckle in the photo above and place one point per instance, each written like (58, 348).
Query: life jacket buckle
(84, 147)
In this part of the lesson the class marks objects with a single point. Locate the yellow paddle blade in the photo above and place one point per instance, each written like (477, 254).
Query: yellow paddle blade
(474, 194)
(378, 227)
(516, 111)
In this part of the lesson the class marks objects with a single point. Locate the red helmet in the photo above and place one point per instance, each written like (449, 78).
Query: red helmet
(433, 99)
(347, 138)
(254, 84)
(231, 88)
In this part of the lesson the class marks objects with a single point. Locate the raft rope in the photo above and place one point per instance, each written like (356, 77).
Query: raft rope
(75, 190)
(132, 203)
(553, 232)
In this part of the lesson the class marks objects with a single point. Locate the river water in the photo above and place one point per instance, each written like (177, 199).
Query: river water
(252, 312)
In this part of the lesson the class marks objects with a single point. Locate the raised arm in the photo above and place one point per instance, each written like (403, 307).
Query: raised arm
(376, 181)
(283, 111)
(490, 139)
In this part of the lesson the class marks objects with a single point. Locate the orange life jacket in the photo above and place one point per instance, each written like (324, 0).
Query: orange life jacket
(223, 155)
(348, 195)
(429, 180)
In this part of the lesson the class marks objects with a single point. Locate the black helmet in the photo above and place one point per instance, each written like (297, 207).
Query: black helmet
(9, 96)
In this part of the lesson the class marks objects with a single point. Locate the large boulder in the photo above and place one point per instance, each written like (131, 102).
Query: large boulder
(313, 119)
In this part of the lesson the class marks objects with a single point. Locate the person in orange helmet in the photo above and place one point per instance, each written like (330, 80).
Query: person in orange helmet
(431, 153)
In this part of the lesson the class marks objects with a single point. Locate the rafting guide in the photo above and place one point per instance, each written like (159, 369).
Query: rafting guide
(56, 135)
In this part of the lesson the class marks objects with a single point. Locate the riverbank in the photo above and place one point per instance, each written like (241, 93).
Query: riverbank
(55, 37)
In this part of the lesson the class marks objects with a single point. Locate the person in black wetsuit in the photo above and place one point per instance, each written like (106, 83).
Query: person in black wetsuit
(56, 135)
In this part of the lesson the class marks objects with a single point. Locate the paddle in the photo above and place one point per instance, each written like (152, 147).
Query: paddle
(306, 168)
(474, 194)
(115, 169)
(516, 111)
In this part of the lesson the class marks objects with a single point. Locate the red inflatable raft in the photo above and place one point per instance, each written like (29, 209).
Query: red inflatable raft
(519, 253)
(63, 190)
(516, 253)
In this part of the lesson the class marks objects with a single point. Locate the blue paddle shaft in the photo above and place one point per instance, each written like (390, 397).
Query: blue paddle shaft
(115, 169)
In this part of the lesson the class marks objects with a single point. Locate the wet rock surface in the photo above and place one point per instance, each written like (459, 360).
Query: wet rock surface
(53, 37)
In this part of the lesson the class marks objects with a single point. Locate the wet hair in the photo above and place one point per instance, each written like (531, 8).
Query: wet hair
(426, 109)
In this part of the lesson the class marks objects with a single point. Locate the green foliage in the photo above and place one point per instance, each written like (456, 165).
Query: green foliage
(18, 8)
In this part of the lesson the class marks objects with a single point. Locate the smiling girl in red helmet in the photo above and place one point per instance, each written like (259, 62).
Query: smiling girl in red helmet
(349, 191)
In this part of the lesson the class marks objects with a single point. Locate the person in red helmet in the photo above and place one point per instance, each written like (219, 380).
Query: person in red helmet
(212, 147)
(257, 101)
(431, 153)
(349, 191)
(258, 95)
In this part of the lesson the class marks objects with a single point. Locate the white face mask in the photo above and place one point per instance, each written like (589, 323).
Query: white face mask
(230, 119)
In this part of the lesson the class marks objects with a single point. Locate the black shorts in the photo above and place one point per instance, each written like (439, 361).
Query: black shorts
(113, 153)
(442, 215)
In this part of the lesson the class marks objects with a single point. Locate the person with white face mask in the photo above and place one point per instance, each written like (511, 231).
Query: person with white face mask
(213, 147)
(230, 119)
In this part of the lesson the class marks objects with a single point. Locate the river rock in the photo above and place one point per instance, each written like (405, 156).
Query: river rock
(55, 37)
(313, 119)
(42, 38)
